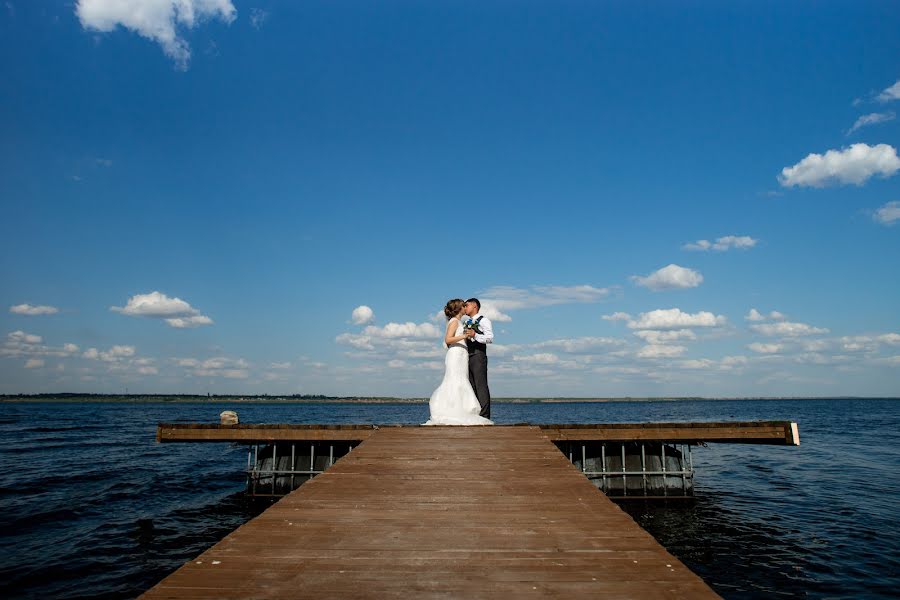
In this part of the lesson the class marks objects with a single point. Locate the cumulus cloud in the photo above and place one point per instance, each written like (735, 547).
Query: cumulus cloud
(889, 94)
(24, 338)
(871, 119)
(617, 316)
(577, 345)
(34, 363)
(362, 315)
(766, 348)
(220, 366)
(497, 300)
(21, 344)
(114, 354)
(490, 310)
(404, 330)
(189, 322)
(28, 309)
(543, 358)
(671, 277)
(660, 351)
(856, 165)
(740, 242)
(787, 329)
(161, 21)
(175, 311)
(396, 340)
(888, 214)
(655, 337)
(755, 315)
(674, 318)
(869, 343)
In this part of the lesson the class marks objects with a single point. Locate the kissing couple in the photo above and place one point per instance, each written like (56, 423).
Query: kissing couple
(463, 398)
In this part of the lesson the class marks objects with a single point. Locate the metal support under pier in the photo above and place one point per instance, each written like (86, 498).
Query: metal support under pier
(278, 468)
(635, 469)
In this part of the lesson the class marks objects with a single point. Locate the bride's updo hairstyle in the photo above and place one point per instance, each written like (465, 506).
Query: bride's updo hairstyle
(452, 308)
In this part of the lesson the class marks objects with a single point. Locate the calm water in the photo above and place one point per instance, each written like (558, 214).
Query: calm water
(91, 506)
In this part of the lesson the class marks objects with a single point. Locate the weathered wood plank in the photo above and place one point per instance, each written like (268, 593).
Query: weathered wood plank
(744, 432)
(514, 518)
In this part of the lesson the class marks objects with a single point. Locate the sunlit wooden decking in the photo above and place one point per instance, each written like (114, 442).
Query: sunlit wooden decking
(427, 512)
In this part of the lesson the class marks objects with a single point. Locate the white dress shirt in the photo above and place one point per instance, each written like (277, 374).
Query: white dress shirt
(487, 337)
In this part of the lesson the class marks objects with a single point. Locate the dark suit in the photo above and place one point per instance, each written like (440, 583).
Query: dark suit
(478, 362)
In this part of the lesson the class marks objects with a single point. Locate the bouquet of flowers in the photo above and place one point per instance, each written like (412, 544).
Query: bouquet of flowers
(473, 324)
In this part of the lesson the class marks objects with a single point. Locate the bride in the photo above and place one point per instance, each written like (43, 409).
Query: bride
(454, 402)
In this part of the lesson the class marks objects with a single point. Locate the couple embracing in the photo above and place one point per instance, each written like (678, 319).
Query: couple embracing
(463, 398)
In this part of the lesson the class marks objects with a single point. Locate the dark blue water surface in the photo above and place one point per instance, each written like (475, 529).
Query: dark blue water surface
(91, 506)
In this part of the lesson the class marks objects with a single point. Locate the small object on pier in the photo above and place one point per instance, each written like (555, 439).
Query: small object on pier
(228, 417)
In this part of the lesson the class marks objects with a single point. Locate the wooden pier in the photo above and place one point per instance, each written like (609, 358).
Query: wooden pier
(438, 512)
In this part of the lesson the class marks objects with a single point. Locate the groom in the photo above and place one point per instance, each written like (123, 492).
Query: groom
(477, 345)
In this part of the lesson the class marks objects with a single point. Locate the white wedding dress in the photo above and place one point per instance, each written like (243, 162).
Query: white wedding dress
(454, 402)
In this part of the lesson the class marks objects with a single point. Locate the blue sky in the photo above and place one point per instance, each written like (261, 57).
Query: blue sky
(652, 198)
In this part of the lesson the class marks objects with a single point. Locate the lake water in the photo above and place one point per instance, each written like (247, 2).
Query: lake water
(92, 507)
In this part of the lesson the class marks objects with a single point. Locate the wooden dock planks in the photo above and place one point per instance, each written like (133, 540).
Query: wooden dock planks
(440, 512)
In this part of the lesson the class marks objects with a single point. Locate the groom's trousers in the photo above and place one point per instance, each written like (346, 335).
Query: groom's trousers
(478, 378)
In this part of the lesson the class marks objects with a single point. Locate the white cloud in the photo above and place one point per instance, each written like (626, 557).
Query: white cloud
(755, 315)
(24, 338)
(813, 345)
(741, 242)
(674, 318)
(34, 363)
(661, 351)
(671, 277)
(280, 365)
(617, 316)
(220, 366)
(871, 119)
(146, 370)
(734, 361)
(888, 214)
(576, 345)
(489, 309)
(258, 17)
(787, 329)
(766, 348)
(654, 337)
(890, 338)
(362, 315)
(28, 309)
(404, 330)
(176, 312)
(396, 364)
(889, 94)
(868, 343)
(397, 340)
(544, 358)
(157, 20)
(189, 322)
(114, 354)
(70, 348)
(855, 165)
(499, 299)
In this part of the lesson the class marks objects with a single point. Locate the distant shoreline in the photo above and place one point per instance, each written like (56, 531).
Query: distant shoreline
(238, 399)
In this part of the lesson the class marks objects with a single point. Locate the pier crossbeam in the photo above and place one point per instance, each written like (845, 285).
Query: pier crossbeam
(414, 512)
(741, 432)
